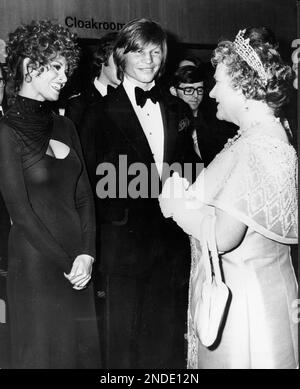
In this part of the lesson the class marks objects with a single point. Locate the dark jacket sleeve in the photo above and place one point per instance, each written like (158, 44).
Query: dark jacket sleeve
(191, 161)
(84, 201)
(13, 189)
(89, 126)
(75, 108)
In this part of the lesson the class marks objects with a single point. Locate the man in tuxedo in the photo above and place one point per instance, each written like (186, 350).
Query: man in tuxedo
(104, 80)
(140, 131)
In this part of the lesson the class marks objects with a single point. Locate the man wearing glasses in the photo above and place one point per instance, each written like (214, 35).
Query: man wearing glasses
(188, 85)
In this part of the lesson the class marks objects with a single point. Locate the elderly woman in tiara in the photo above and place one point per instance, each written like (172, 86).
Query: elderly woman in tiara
(241, 214)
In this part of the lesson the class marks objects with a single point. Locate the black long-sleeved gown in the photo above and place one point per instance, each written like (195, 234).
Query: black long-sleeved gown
(52, 212)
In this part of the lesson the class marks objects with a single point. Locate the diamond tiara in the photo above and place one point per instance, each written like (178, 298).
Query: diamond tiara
(248, 54)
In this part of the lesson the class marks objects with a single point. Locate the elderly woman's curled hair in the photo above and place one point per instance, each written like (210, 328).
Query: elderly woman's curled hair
(275, 89)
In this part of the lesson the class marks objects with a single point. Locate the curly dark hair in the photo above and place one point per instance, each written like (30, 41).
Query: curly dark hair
(40, 41)
(276, 91)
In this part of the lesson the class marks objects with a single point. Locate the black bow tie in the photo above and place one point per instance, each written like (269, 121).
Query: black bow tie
(141, 96)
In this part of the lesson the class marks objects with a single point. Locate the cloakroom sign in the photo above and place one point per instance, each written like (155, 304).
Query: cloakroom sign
(92, 24)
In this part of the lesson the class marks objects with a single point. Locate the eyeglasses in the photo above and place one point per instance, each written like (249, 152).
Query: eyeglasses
(2, 81)
(189, 90)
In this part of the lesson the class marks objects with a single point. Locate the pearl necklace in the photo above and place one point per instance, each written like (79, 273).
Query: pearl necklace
(242, 131)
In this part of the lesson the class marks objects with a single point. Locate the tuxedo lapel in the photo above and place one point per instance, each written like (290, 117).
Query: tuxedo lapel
(169, 118)
(128, 123)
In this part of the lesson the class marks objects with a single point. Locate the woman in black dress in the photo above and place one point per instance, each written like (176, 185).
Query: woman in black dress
(46, 190)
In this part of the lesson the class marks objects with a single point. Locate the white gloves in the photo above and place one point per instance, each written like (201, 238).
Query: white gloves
(173, 195)
(181, 201)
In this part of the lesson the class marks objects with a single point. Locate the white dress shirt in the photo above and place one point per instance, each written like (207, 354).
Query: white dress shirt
(151, 121)
(102, 89)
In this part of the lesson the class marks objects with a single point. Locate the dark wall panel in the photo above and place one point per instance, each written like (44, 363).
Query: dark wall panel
(193, 21)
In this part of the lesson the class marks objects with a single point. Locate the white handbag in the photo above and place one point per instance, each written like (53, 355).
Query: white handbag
(209, 298)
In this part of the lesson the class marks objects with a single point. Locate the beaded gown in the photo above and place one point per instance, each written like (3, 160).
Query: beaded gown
(253, 179)
(52, 213)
